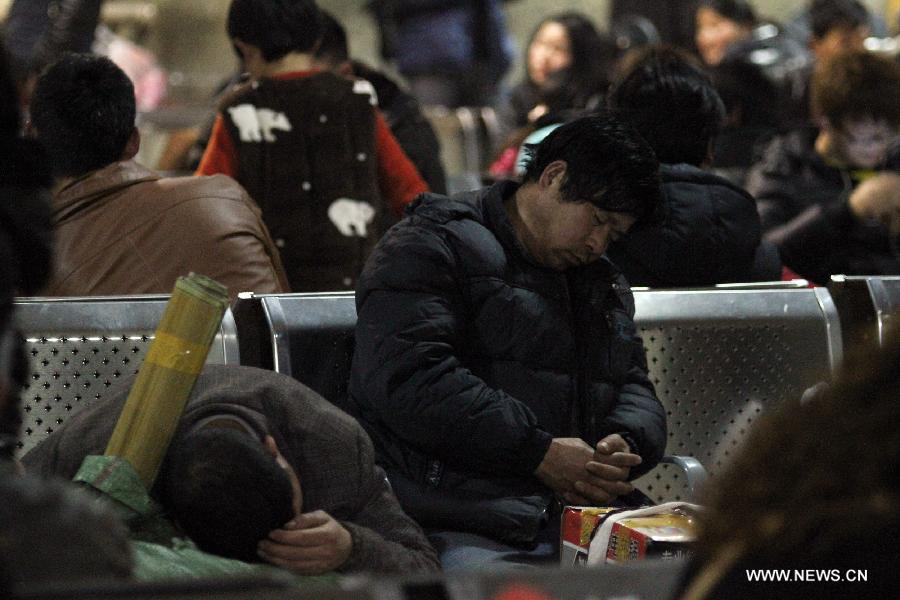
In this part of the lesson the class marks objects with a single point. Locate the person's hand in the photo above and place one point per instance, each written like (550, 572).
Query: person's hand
(309, 544)
(878, 199)
(564, 470)
(612, 463)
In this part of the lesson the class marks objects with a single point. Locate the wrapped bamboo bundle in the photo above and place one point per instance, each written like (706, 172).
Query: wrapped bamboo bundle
(167, 375)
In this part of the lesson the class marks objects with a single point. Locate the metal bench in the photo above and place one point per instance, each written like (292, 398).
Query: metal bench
(78, 346)
(309, 337)
(868, 307)
(719, 357)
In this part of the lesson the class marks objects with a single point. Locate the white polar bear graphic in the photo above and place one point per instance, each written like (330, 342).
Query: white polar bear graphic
(256, 124)
(351, 217)
(365, 88)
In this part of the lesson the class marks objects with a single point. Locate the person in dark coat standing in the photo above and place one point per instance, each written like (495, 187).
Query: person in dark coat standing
(497, 365)
(711, 232)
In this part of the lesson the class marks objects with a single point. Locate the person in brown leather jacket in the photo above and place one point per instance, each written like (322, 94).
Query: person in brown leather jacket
(121, 228)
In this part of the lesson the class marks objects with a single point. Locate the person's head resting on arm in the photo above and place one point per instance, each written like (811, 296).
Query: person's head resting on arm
(227, 490)
(585, 185)
(83, 114)
(274, 36)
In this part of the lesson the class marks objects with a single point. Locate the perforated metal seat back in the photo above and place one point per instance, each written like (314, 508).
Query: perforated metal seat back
(77, 347)
(719, 358)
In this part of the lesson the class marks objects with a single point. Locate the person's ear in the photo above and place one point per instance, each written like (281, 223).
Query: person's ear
(133, 145)
(554, 173)
(271, 446)
(251, 55)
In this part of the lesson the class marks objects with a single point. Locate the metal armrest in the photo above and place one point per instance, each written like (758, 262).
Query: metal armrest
(694, 472)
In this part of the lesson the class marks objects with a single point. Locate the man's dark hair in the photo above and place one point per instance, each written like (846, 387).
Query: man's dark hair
(83, 112)
(671, 102)
(857, 86)
(225, 491)
(826, 15)
(738, 11)
(276, 27)
(608, 164)
(332, 48)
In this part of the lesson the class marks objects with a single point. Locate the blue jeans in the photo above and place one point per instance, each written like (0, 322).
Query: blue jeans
(460, 551)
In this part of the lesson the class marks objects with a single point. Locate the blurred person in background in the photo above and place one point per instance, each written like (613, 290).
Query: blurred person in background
(452, 52)
(121, 228)
(831, 27)
(310, 146)
(829, 198)
(40, 31)
(711, 231)
(721, 24)
(567, 66)
(401, 110)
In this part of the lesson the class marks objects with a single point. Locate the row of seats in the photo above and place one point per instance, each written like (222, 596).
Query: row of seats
(718, 356)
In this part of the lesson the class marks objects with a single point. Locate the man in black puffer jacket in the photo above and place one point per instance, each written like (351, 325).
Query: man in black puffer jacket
(497, 364)
(711, 232)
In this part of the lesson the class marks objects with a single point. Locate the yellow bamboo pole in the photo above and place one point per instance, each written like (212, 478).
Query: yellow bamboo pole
(167, 376)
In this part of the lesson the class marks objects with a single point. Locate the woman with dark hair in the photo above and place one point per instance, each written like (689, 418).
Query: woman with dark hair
(815, 486)
(567, 64)
(719, 25)
(567, 67)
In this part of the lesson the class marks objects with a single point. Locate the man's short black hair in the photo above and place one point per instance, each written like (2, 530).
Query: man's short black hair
(276, 27)
(738, 11)
(225, 491)
(671, 102)
(83, 111)
(608, 164)
(333, 48)
(826, 15)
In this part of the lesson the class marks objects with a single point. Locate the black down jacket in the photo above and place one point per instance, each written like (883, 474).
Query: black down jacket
(711, 234)
(470, 358)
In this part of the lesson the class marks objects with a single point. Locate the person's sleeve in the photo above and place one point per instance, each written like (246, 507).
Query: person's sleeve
(771, 183)
(220, 155)
(409, 339)
(637, 412)
(398, 178)
(385, 539)
(814, 236)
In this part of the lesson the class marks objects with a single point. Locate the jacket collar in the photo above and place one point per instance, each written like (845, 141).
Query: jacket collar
(497, 219)
(94, 187)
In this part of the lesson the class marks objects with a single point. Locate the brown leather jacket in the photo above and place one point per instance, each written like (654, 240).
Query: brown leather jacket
(125, 230)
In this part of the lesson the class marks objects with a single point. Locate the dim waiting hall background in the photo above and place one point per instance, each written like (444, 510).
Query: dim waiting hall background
(451, 299)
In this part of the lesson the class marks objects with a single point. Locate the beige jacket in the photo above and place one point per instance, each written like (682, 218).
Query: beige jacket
(125, 230)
